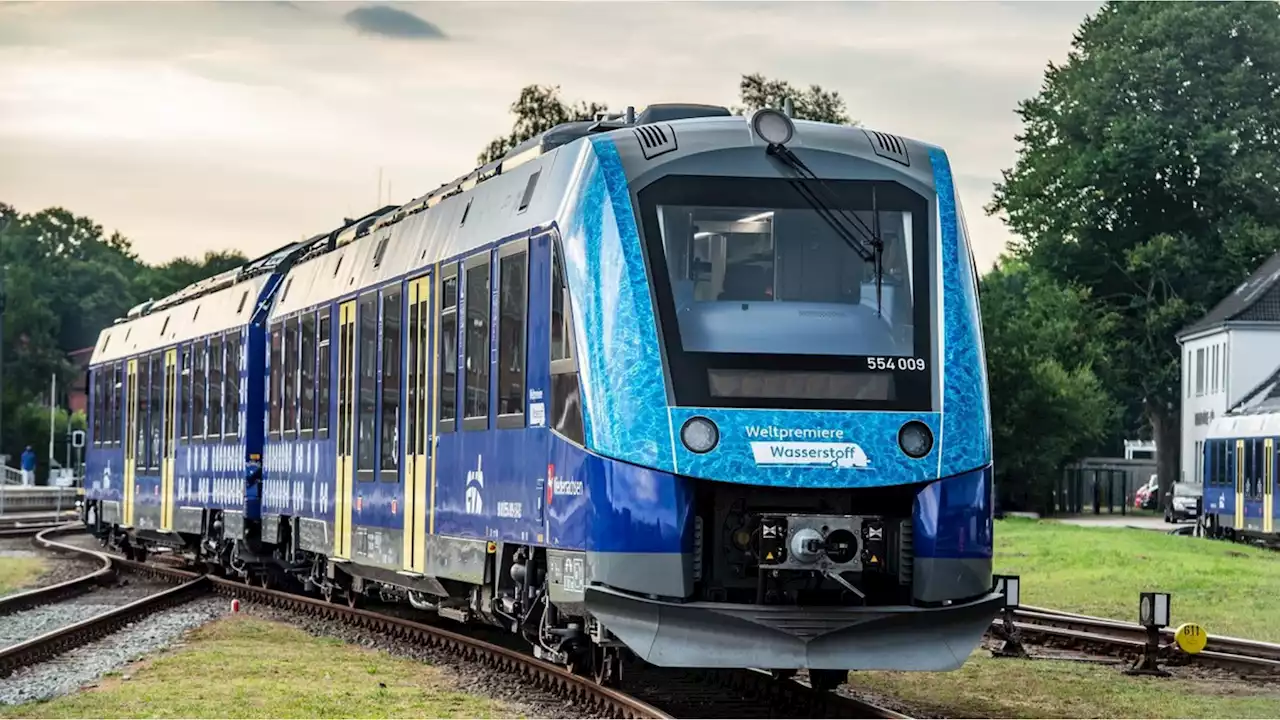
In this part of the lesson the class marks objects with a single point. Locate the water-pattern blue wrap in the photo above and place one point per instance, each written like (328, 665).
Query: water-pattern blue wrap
(966, 410)
(624, 395)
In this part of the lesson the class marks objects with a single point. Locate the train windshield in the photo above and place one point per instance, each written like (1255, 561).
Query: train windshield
(761, 299)
(769, 275)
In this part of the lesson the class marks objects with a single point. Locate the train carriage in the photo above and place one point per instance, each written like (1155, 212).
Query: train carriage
(704, 388)
(1240, 478)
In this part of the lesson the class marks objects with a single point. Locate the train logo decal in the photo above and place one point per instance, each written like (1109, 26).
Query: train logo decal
(559, 486)
(475, 484)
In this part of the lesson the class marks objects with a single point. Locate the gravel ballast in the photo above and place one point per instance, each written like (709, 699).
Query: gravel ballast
(75, 668)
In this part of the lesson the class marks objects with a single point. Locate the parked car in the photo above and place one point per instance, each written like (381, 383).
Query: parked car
(1185, 497)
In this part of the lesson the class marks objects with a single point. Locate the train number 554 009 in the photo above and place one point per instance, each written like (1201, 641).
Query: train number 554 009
(895, 363)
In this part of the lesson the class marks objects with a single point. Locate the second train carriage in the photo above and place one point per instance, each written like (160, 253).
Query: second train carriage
(649, 384)
(1239, 476)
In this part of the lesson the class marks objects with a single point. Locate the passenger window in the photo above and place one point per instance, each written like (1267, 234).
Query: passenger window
(198, 390)
(96, 393)
(411, 373)
(307, 413)
(419, 409)
(231, 383)
(449, 349)
(565, 409)
(154, 448)
(389, 447)
(141, 380)
(559, 320)
(289, 383)
(366, 384)
(215, 401)
(322, 373)
(274, 380)
(513, 274)
(476, 337)
(117, 403)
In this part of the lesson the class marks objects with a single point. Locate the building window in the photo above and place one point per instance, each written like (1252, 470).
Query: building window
(389, 447)
(367, 383)
(1200, 372)
(476, 395)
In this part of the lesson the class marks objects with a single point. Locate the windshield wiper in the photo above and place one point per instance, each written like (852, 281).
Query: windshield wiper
(871, 250)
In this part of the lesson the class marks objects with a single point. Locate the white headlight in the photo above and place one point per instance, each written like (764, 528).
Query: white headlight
(773, 126)
(699, 434)
(915, 439)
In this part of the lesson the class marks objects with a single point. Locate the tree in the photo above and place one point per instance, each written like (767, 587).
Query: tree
(1149, 171)
(814, 103)
(160, 281)
(537, 110)
(1048, 405)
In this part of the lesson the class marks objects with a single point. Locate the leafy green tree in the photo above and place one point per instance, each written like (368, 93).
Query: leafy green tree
(812, 103)
(1048, 405)
(155, 282)
(540, 108)
(537, 110)
(1149, 172)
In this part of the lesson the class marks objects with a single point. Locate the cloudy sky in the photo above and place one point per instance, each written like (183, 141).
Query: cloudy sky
(247, 125)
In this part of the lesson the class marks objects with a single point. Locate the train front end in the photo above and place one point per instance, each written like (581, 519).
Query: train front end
(781, 367)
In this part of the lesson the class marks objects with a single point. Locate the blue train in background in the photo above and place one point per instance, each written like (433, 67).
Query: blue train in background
(1239, 476)
(702, 388)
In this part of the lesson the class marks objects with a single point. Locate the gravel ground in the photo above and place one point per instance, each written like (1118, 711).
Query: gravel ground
(475, 679)
(58, 568)
(22, 626)
(70, 671)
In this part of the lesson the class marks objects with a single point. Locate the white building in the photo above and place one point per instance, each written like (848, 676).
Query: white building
(1226, 356)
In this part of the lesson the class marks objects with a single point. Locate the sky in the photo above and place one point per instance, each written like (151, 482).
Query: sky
(192, 127)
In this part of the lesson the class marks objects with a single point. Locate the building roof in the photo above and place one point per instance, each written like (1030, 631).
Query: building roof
(1257, 299)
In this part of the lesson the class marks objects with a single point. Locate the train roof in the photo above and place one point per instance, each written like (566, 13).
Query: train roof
(1261, 424)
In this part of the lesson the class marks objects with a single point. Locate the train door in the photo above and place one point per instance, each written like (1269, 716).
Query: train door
(1239, 520)
(130, 445)
(170, 441)
(346, 430)
(1268, 484)
(417, 445)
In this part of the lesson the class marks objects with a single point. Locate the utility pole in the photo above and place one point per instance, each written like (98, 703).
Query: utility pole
(53, 413)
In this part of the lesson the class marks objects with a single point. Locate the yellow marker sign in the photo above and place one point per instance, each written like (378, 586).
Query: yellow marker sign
(768, 556)
(1191, 638)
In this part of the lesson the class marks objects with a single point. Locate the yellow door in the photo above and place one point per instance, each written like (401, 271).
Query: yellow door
(346, 430)
(130, 446)
(417, 457)
(1239, 484)
(1268, 483)
(170, 439)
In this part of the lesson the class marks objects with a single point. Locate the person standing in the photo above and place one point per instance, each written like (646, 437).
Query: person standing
(28, 467)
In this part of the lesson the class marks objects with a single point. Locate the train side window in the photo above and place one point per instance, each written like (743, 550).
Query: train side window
(389, 450)
(307, 414)
(366, 385)
(566, 404)
(117, 403)
(322, 373)
(155, 417)
(231, 381)
(411, 374)
(274, 380)
(513, 299)
(448, 367)
(475, 403)
(215, 402)
(198, 407)
(95, 384)
(289, 386)
(139, 410)
(184, 381)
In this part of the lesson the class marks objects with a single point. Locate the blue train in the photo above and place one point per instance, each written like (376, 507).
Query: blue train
(1239, 476)
(705, 389)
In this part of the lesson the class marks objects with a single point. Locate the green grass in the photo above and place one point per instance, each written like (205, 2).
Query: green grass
(1007, 688)
(1229, 589)
(18, 572)
(249, 668)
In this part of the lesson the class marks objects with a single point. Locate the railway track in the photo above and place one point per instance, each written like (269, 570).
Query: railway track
(1055, 627)
(659, 692)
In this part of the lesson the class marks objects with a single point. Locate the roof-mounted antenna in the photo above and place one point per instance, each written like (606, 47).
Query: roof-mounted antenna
(630, 116)
(787, 108)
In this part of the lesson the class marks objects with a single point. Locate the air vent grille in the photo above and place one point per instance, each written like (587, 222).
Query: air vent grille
(655, 140)
(890, 147)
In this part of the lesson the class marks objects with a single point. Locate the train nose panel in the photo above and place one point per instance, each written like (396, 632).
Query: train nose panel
(723, 635)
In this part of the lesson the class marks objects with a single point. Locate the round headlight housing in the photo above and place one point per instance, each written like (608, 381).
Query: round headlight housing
(772, 126)
(700, 435)
(915, 439)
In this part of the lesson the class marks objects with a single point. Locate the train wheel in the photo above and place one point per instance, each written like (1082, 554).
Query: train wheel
(827, 679)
